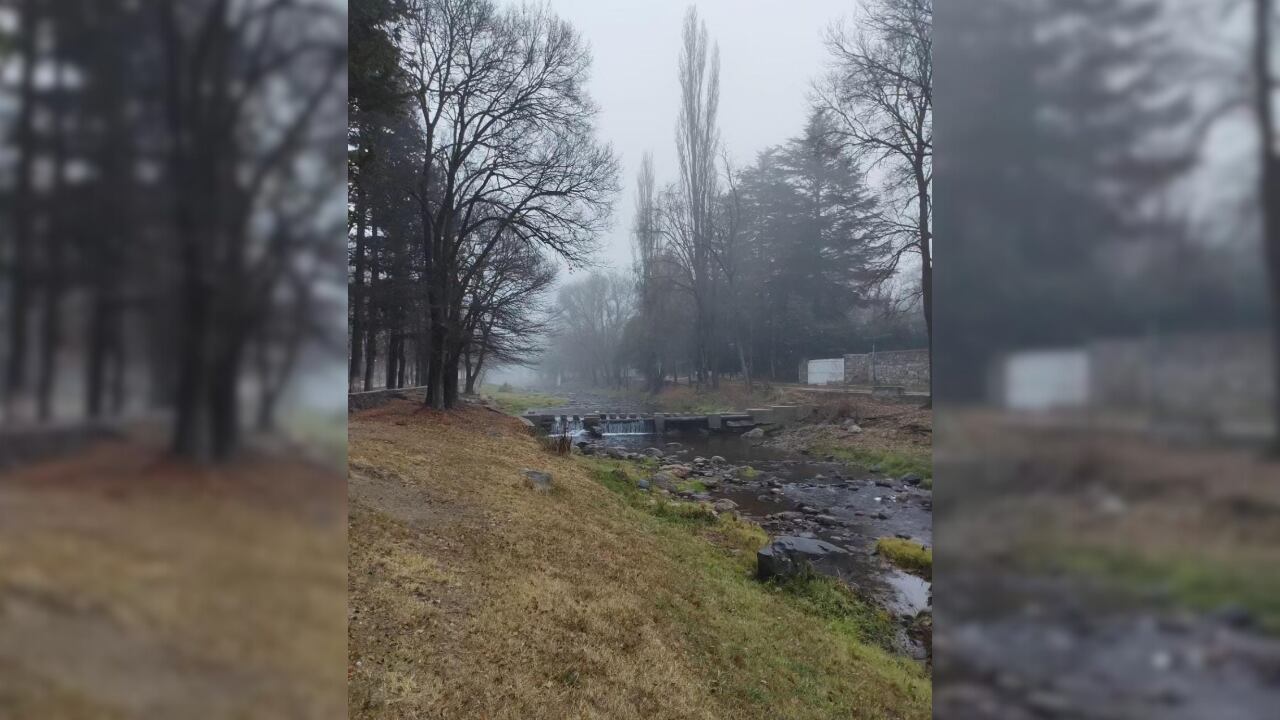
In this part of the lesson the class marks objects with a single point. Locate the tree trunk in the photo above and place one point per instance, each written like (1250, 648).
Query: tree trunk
(357, 293)
(926, 262)
(1269, 190)
(51, 326)
(15, 376)
(392, 357)
(371, 313)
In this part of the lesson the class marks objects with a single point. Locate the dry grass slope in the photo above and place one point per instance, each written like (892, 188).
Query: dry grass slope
(131, 588)
(474, 597)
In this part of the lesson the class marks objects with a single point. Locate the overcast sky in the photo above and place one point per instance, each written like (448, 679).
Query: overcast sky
(769, 52)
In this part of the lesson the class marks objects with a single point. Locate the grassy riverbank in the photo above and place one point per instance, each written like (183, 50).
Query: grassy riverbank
(1192, 527)
(472, 595)
(895, 438)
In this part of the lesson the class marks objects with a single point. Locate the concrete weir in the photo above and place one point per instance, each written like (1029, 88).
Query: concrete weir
(660, 423)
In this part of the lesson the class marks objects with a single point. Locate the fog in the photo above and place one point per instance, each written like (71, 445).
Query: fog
(768, 55)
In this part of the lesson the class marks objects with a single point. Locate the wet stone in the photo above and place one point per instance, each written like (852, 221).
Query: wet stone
(538, 480)
(790, 555)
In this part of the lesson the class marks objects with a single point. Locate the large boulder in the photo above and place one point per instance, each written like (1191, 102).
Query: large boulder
(754, 434)
(724, 505)
(538, 480)
(789, 555)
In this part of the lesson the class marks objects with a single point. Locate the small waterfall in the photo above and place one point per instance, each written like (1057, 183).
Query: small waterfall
(626, 426)
(573, 425)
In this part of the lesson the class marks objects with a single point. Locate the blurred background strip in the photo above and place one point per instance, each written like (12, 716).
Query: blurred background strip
(172, 503)
(1108, 508)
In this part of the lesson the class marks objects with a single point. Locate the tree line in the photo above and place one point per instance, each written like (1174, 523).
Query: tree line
(169, 209)
(804, 253)
(473, 168)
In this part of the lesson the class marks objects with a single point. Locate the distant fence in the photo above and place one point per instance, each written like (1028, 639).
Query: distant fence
(1215, 379)
(908, 368)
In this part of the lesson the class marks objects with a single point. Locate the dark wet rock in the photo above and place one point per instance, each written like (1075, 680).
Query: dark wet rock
(911, 479)
(827, 519)
(882, 515)
(1234, 615)
(902, 536)
(790, 555)
(664, 480)
(536, 479)
(884, 482)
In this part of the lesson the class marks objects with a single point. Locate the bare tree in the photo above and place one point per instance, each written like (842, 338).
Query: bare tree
(509, 150)
(880, 91)
(697, 143)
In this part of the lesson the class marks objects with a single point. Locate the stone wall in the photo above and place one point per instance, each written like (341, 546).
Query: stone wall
(908, 368)
(1218, 378)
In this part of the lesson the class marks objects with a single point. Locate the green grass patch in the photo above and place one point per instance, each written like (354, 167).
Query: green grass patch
(514, 402)
(1198, 582)
(621, 477)
(908, 555)
(889, 462)
(832, 600)
(691, 486)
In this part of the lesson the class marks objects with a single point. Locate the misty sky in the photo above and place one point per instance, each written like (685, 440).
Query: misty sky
(769, 52)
